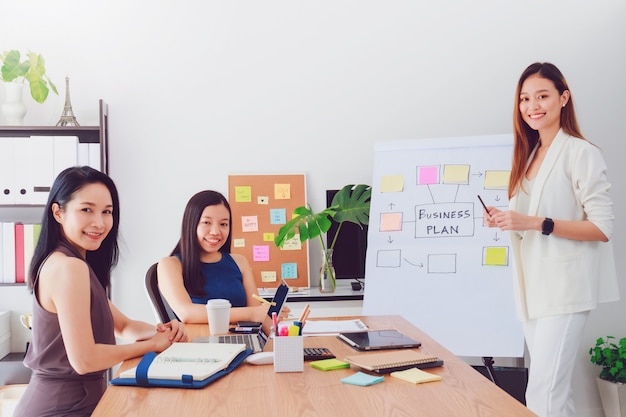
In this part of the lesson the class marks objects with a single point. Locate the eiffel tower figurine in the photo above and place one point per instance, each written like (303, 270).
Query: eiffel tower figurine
(67, 118)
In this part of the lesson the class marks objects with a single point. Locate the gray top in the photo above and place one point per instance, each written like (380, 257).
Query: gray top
(56, 389)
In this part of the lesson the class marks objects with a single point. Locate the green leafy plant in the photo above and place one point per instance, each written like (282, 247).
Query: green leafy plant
(611, 357)
(350, 204)
(31, 69)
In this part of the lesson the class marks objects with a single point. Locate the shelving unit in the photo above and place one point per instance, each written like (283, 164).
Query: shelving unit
(14, 297)
(85, 134)
(28, 213)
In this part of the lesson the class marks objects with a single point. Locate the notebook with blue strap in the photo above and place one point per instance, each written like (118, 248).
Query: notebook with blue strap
(184, 365)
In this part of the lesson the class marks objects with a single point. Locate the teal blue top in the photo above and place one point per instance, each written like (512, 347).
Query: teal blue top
(222, 279)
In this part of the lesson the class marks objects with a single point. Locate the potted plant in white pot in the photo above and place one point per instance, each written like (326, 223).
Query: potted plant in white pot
(611, 356)
(350, 204)
(15, 72)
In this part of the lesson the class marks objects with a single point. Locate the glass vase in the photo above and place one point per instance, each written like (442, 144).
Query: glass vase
(327, 272)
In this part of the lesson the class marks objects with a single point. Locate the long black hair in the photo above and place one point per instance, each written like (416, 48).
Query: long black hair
(67, 183)
(188, 247)
(525, 137)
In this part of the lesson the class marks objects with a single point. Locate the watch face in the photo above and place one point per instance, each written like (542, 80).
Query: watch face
(547, 226)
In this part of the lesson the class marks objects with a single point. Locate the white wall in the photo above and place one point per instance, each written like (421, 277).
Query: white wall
(198, 90)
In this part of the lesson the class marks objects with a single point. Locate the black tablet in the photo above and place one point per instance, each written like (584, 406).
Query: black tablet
(378, 340)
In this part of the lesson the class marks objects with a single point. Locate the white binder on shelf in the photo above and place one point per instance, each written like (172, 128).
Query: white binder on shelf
(8, 252)
(21, 175)
(29, 248)
(94, 156)
(1, 254)
(83, 154)
(7, 171)
(89, 155)
(41, 168)
(65, 153)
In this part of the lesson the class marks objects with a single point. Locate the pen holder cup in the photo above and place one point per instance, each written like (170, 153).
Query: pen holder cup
(288, 354)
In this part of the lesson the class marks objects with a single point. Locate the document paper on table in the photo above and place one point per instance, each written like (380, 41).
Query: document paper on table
(332, 327)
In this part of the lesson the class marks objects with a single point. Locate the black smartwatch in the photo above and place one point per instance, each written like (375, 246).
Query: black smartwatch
(547, 226)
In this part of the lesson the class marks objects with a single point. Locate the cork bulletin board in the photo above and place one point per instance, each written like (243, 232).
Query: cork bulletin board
(261, 204)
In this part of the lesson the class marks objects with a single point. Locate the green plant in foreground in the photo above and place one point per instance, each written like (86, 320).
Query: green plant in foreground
(350, 204)
(32, 69)
(611, 357)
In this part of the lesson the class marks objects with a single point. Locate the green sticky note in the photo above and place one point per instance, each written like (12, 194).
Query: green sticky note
(329, 364)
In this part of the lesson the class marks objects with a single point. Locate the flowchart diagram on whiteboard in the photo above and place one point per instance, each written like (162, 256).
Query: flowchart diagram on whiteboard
(430, 257)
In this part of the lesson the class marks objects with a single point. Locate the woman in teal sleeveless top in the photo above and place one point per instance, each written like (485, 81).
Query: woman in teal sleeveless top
(201, 266)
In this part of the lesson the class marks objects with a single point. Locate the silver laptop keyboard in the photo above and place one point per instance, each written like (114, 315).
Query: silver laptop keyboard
(238, 338)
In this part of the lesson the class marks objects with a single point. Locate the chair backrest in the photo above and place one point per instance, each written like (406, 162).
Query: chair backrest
(162, 310)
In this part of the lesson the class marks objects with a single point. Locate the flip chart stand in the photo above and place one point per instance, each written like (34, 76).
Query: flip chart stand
(488, 361)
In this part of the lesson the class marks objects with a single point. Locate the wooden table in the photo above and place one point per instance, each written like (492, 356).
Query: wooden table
(258, 391)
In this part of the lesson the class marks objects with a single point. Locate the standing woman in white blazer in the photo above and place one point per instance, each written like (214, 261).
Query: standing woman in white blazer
(561, 219)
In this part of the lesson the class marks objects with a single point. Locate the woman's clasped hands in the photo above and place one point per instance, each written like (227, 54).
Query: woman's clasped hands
(168, 333)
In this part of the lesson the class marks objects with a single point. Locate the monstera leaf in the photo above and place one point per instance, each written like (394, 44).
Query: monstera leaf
(306, 223)
(350, 204)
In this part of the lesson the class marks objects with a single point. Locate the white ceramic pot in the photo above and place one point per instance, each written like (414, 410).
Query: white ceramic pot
(14, 108)
(613, 396)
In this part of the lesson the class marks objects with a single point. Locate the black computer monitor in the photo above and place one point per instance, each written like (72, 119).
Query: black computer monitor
(350, 248)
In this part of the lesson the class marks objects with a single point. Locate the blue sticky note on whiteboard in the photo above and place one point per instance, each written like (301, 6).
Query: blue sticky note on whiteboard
(289, 270)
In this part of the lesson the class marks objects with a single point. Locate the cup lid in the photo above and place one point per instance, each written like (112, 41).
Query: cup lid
(218, 302)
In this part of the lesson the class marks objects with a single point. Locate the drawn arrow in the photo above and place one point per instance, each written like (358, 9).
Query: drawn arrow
(420, 265)
(389, 239)
(391, 206)
(480, 174)
(496, 238)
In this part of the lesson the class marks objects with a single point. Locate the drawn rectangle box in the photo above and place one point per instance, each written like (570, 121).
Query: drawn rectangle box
(442, 263)
(289, 354)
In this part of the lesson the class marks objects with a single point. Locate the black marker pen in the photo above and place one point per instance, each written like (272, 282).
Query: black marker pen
(483, 203)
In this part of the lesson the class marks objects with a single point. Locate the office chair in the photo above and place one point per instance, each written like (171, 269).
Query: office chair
(162, 311)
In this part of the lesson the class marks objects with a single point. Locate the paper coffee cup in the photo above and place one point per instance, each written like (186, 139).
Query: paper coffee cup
(218, 311)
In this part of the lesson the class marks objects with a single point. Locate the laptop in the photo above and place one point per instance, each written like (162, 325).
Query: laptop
(255, 341)
(378, 340)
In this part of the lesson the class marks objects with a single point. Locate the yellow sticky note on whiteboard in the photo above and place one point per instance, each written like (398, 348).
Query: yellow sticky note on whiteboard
(391, 183)
(497, 180)
(456, 174)
(496, 255)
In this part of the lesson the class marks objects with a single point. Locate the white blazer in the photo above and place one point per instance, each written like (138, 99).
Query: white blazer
(554, 275)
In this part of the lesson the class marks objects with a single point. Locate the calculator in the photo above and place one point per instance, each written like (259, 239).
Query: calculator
(317, 353)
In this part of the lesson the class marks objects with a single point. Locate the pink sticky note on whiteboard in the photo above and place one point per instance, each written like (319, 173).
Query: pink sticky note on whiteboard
(428, 175)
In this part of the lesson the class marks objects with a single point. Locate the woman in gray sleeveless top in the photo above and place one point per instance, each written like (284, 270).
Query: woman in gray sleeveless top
(74, 323)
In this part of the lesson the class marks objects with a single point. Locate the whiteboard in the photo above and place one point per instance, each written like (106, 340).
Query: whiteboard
(430, 258)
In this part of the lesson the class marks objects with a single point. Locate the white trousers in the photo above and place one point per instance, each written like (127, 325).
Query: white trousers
(553, 343)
